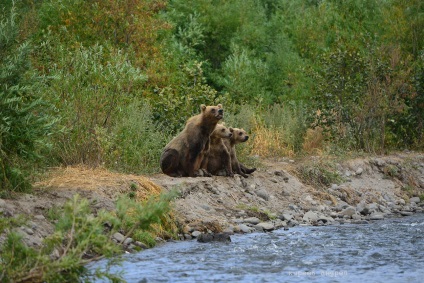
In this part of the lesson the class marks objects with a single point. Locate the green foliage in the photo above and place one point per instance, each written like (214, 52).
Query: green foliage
(80, 237)
(134, 143)
(319, 173)
(90, 90)
(24, 118)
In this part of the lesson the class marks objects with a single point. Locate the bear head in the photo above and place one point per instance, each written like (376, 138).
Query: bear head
(222, 132)
(239, 135)
(212, 112)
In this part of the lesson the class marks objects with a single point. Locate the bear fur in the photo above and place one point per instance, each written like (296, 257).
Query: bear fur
(239, 136)
(183, 155)
(218, 158)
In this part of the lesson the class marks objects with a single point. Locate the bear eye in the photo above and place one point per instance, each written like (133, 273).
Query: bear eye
(240, 134)
(222, 130)
(213, 110)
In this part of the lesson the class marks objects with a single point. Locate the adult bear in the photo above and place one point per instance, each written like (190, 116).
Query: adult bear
(183, 155)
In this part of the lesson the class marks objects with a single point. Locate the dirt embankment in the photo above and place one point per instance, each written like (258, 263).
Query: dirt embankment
(272, 197)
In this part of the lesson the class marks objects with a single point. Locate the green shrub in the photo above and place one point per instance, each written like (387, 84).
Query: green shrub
(92, 87)
(134, 143)
(24, 117)
(80, 237)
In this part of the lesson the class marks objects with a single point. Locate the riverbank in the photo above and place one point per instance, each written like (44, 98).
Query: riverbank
(275, 196)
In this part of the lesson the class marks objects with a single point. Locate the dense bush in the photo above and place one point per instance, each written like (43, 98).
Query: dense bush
(123, 77)
(24, 114)
(80, 237)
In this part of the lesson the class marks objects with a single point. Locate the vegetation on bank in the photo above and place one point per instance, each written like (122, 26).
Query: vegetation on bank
(108, 83)
(81, 236)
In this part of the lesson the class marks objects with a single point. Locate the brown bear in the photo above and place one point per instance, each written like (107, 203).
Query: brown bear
(183, 155)
(218, 159)
(239, 136)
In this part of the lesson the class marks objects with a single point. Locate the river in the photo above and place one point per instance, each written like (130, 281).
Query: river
(390, 250)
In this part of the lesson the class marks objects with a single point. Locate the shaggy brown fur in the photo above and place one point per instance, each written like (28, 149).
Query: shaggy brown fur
(183, 155)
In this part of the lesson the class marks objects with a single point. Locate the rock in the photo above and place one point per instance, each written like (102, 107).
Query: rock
(310, 216)
(356, 217)
(376, 216)
(141, 245)
(214, 237)
(188, 237)
(273, 180)
(415, 200)
(362, 208)
(128, 241)
(229, 230)
(401, 201)
(341, 205)
(244, 228)
(349, 211)
(27, 230)
(406, 213)
(279, 224)
(252, 220)
(2, 203)
(266, 226)
(196, 233)
(118, 237)
(359, 171)
(262, 194)
(372, 207)
(286, 216)
(39, 217)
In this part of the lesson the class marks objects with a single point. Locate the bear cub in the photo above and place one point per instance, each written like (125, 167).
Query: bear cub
(239, 136)
(218, 160)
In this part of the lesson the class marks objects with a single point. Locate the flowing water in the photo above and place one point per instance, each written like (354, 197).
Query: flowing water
(386, 251)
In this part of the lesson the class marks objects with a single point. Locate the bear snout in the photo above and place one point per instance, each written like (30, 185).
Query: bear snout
(246, 138)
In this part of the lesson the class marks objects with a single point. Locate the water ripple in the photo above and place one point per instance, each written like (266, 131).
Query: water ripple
(385, 251)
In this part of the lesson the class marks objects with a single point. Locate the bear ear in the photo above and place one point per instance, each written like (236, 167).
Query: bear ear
(219, 105)
(202, 107)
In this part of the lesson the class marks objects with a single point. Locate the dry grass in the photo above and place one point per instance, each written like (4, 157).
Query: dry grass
(85, 178)
(269, 142)
(314, 141)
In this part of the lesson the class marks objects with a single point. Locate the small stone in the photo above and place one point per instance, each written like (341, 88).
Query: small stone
(118, 237)
(266, 226)
(359, 171)
(29, 231)
(406, 213)
(187, 236)
(39, 217)
(218, 237)
(415, 200)
(376, 216)
(273, 180)
(286, 216)
(262, 194)
(244, 228)
(196, 233)
(128, 241)
(349, 211)
(310, 216)
(252, 220)
(141, 245)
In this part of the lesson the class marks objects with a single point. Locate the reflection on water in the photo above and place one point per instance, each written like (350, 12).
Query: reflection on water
(385, 251)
